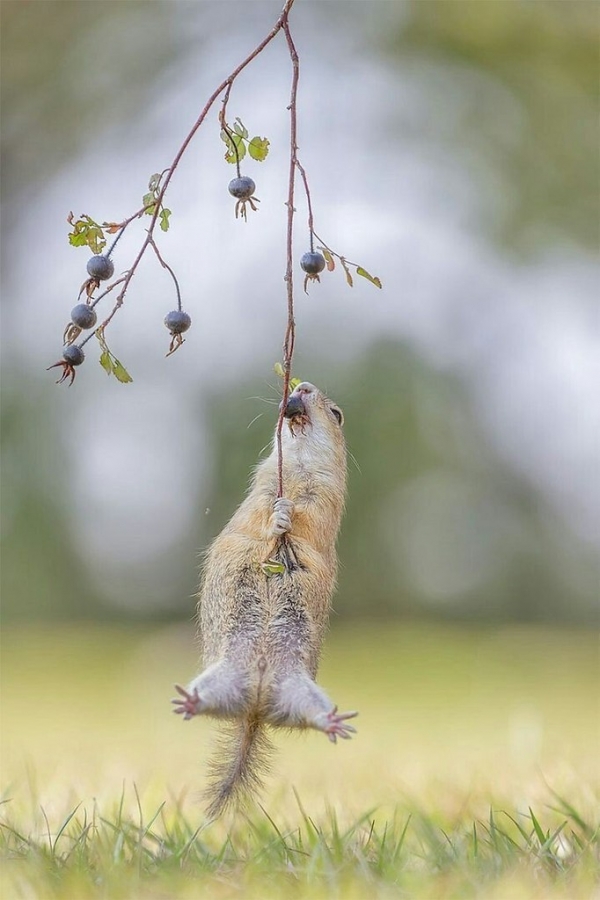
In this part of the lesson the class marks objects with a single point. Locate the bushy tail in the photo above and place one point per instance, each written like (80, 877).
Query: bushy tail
(242, 757)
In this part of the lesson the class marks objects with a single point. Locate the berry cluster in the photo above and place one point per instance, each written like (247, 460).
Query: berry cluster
(100, 267)
(239, 144)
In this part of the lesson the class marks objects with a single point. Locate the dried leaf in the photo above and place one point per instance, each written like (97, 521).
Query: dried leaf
(347, 271)
(328, 259)
(101, 339)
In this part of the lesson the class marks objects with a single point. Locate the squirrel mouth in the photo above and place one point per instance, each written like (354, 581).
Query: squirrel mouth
(296, 414)
(295, 407)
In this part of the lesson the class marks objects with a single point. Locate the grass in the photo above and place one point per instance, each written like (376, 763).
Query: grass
(474, 774)
(96, 853)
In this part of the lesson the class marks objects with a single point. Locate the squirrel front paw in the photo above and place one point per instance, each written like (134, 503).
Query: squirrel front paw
(281, 520)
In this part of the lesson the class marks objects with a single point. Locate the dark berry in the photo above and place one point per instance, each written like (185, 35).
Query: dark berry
(312, 262)
(74, 355)
(177, 321)
(100, 267)
(242, 188)
(83, 316)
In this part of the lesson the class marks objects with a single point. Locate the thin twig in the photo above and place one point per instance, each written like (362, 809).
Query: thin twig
(229, 134)
(333, 253)
(290, 332)
(166, 266)
(311, 226)
(225, 85)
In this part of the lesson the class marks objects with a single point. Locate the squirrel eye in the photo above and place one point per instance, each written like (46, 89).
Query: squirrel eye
(338, 414)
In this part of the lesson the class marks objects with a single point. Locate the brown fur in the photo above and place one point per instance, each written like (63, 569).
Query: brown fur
(261, 635)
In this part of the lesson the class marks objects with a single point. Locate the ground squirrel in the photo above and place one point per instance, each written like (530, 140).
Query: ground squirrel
(262, 627)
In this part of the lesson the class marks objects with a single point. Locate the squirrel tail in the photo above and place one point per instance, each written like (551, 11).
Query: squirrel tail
(242, 757)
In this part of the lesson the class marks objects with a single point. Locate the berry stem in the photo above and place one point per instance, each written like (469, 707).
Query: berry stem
(290, 332)
(311, 232)
(229, 134)
(170, 270)
(108, 290)
(118, 238)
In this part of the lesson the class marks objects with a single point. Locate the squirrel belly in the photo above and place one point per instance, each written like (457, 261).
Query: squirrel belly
(261, 633)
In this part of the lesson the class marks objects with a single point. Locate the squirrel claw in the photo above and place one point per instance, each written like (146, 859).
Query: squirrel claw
(335, 725)
(282, 515)
(187, 704)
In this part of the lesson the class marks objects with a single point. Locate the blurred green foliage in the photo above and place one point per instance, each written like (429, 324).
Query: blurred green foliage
(543, 54)
(61, 90)
(42, 574)
(408, 427)
(64, 64)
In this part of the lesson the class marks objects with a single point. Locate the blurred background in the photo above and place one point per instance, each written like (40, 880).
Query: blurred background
(451, 149)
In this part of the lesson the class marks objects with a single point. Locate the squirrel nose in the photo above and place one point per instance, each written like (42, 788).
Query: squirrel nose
(305, 387)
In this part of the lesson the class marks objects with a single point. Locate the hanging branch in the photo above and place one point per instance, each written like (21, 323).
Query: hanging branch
(290, 332)
(224, 86)
(88, 232)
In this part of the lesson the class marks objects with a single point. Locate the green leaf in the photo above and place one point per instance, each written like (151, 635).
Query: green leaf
(95, 238)
(164, 219)
(294, 382)
(374, 280)
(272, 567)
(121, 373)
(87, 233)
(258, 148)
(106, 362)
(241, 151)
(230, 140)
(78, 239)
(154, 182)
(148, 201)
(240, 128)
(278, 369)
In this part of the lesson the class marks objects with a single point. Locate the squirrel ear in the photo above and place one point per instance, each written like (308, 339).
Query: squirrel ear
(338, 414)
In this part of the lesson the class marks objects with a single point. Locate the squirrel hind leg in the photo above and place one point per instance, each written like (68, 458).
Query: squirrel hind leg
(298, 702)
(221, 690)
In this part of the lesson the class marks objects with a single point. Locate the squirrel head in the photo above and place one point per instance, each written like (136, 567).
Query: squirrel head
(311, 415)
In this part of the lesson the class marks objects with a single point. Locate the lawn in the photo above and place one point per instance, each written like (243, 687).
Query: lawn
(474, 773)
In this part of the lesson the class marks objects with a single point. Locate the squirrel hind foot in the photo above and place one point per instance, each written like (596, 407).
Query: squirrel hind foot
(335, 725)
(188, 704)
